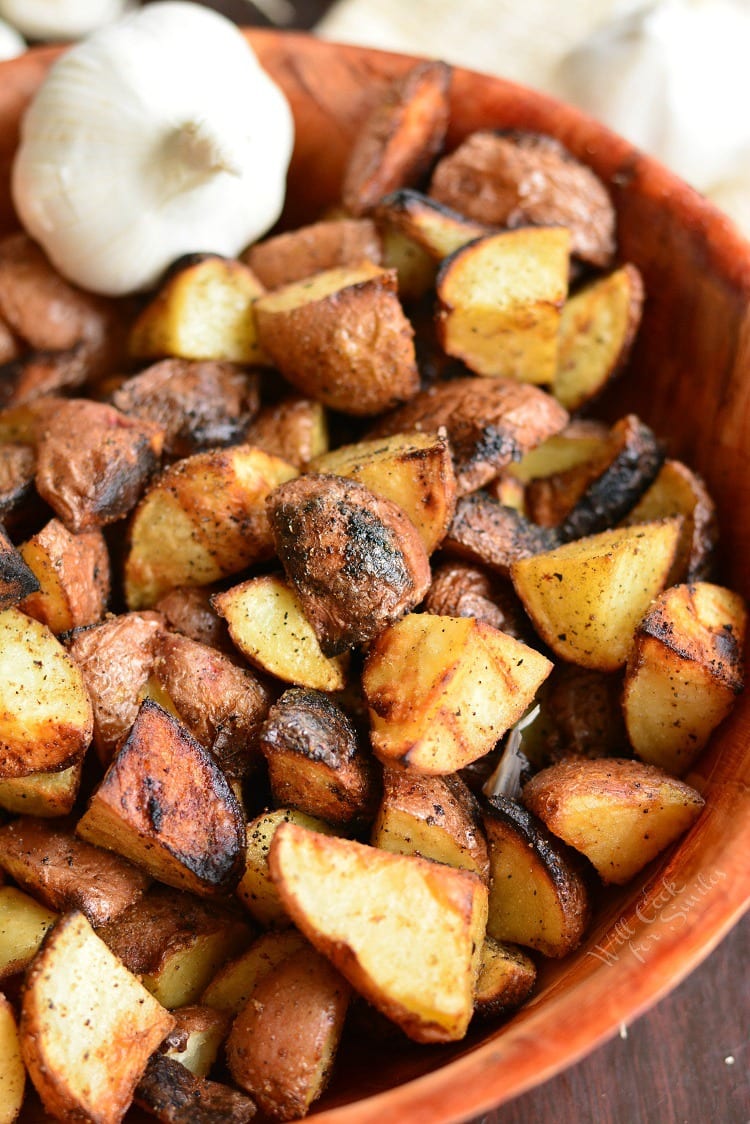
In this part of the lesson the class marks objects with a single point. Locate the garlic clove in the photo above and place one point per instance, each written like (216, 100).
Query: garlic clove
(61, 19)
(159, 136)
(11, 43)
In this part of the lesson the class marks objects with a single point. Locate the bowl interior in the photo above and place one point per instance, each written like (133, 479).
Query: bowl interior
(689, 378)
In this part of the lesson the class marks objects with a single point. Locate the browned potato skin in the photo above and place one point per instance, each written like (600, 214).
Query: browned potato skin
(462, 590)
(352, 350)
(93, 462)
(300, 253)
(356, 561)
(314, 762)
(585, 707)
(489, 422)
(17, 581)
(78, 593)
(520, 178)
(197, 404)
(486, 532)
(165, 804)
(294, 429)
(116, 658)
(174, 1095)
(188, 610)
(65, 873)
(17, 472)
(436, 228)
(399, 140)
(597, 494)
(220, 703)
(283, 1042)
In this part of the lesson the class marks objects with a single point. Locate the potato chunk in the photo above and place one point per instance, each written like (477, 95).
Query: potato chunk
(210, 508)
(46, 719)
(234, 983)
(76, 982)
(12, 1070)
(443, 690)
(488, 532)
(684, 673)
(174, 1095)
(620, 814)
(295, 429)
(433, 226)
(166, 805)
(506, 978)
(459, 590)
(17, 579)
(356, 561)
(24, 923)
(297, 254)
(73, 577)
(198, 1035)
(500, 299)
(418, 964)
(585, 598)
(42, 794)
(342, 337)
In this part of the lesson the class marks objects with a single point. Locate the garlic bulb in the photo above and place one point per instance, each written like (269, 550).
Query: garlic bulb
(61, 19)
(673, 78)
(158, 136)
(11, 43)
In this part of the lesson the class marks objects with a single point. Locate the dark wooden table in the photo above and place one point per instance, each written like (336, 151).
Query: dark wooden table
(685, 1062)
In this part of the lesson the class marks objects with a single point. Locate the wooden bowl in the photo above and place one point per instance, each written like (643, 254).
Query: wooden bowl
(690, 379)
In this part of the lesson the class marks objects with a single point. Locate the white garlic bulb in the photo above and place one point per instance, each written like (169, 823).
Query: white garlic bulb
(11, 43)
(672, 78)
(61, 19)
(157, 136)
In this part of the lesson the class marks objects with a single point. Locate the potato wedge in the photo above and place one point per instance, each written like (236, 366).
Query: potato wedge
(175, 943)
(414, 470)
(46, 720)
(24, 923)
(434, 227)
(415, 269)
(77, 982)
(677, 490)
(204, 310)
(459, 590)
(341, 336)
(174, 1095)
(268, 625)
(597, 329)
(295, 429)
(538, 897)
(297, 254)
(418, 964)
(256, 889)
(620, 814)
(314, 761)
(489, 422)
(42, 794)
(434, 817)
(516, 178)
(493, 535)
(72, 573)
(234, 983)
(356, 561)
(443, 690)
(398, 141)
(585, 598)
(17, 579)
(500, 300)
(211, 509)
(506, 979)
(188, 610)
(684, 673)
(65, 873)
(585, 709)
(581, 441)
(198, 1035)
(165, 804)
(12, 1070)
(283, 1042)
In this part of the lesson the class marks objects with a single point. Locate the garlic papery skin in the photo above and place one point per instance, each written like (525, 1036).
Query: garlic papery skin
(672, 78)
(158, 136)
(61, 19)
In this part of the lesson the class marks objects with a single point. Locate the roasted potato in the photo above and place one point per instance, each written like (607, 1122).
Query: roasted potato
(211, 509)
(517, 178)
(235, 981)
(72, 573)
(77, 983)
(175, 943)
(581, 441)
(297, 254)
(500, 299)
(585, 598)
(314, 761)
(46, 720)
(506, 978)
(538, 896)
(619, 814)
(584, 710)
(24, 923)
(283, 1042)
(415, 269)
(418, 964)
(165, 804)
(65, 873)
(397, 142)
(198, 1035)
(295, 429)
(435, 228)
(42, 794)
(17, 579)
(341, 337)
(174, 1095)
(684, 672)
(17, 473)
(356, 561)
(489, 533)
(12, 1070)
(188, 610)
(443, 690)
(460, 590)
